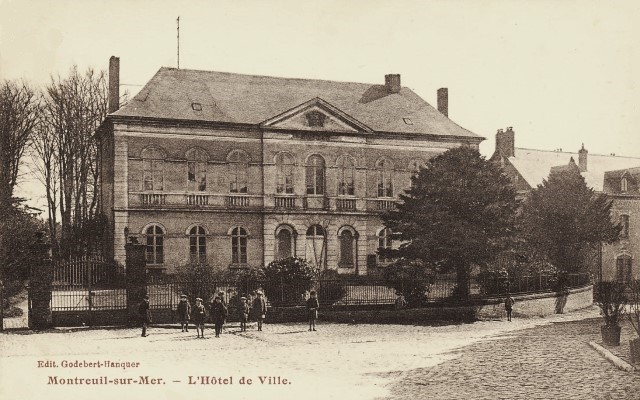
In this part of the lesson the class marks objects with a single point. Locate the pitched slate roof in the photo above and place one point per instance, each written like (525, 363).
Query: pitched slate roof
(535, 165)
(612, 180)
(250, 99)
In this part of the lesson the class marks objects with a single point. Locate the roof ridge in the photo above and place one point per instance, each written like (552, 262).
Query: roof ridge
(273, 77)
(575, 152)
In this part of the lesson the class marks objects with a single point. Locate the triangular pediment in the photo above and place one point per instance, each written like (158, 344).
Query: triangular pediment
(316, 115)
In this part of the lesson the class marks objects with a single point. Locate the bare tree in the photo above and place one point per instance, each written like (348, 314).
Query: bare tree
(66, 147)
(18, 119)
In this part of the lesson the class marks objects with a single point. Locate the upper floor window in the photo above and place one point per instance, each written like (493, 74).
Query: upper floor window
(154, 236)
(315, 119)
(346, 176)
(284, 173)
(624, 222)
(239, 246)
(624, 184)
(238, 165)
(197, 170)
(152, 169)
(385, 175)
(198, 245)
(384, 242)
(315, 175)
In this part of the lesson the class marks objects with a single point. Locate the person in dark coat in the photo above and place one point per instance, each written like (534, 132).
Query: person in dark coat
(259, 308)
(145, 314)
(199, 315)
(508, 306)
(312, 310)
(244, 310)
(218, 314)
(184, 312)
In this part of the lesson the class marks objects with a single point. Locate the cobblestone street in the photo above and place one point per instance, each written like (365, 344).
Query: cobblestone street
(536, 358)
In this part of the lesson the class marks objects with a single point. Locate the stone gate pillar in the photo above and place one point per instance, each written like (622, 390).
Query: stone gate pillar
(136, 279)
(40, 286)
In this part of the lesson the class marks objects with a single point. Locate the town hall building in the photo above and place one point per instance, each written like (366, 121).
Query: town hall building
(234, 170)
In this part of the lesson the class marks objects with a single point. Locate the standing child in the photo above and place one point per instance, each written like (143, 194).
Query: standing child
(145, 314)
(508, 306)
(184, 312)
(259, 308)
(312, 310)
(400, 301)
(244, 313)
(218, 314)
(199, 315)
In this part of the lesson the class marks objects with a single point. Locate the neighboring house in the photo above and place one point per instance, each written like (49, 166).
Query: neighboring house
(527, 168)
(623, 186)
(238, 170)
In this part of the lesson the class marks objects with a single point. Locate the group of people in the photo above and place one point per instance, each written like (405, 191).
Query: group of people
(254, 308)
(218, 312)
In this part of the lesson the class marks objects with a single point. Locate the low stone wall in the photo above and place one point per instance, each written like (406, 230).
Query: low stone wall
(540, 304)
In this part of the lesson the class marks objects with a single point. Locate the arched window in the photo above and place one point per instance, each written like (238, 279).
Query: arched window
(152, 169)
(238, 165)
(316, 248)
(239, 246)
(198, 245)
(285, 242)
(624, 272)
(384, 242)
(284, 173)
(624, 222)
(346, 176)
(197, 170)
(347, 241)
(154, 236)
(385, 174)
(315, 175)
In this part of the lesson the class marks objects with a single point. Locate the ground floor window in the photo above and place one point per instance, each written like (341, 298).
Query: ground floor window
(198, 245)
(239, 246)
(154, 236)
(623, 269)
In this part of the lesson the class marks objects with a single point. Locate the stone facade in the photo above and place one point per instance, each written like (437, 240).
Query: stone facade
(309, 182)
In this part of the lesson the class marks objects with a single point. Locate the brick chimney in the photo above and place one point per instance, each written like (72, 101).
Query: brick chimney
(582, 159)
(392, 83)
(114, 84)
(505, 142)
(443, 101)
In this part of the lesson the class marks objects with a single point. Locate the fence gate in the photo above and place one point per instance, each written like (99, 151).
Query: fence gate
(88, 291)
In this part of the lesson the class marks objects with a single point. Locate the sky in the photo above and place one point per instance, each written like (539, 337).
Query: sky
(561, 73)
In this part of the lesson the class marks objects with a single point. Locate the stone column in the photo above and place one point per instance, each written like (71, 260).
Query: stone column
(40, 282)
(136, 279)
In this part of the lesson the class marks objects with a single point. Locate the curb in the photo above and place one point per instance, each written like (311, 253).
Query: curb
(615, 360)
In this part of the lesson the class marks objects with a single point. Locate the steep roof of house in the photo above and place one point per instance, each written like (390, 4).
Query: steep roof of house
(612, 180)
(250, 99)
(535, 165)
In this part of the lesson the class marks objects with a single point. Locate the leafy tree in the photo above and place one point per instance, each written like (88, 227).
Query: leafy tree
(288, 278)
(459, 212)
(563, 219)
(410, 278)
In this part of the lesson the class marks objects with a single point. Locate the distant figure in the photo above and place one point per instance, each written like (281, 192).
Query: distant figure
(184, 312)
(244, 313)
(400, 301)
(199, 315)
(508, 306)
(223, 298)
(312, 310)
(145, 314)
(259, 308)
(218, 314)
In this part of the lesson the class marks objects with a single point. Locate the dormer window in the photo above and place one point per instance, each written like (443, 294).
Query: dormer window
(316, 119)
(196, 106)
(624, 185)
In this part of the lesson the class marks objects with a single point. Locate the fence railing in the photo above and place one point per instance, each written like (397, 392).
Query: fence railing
(165, 291)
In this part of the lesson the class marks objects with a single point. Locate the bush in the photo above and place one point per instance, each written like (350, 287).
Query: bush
(412, 278)
(287, 279)
(331, 287)
(198, 280)
(610, 297)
